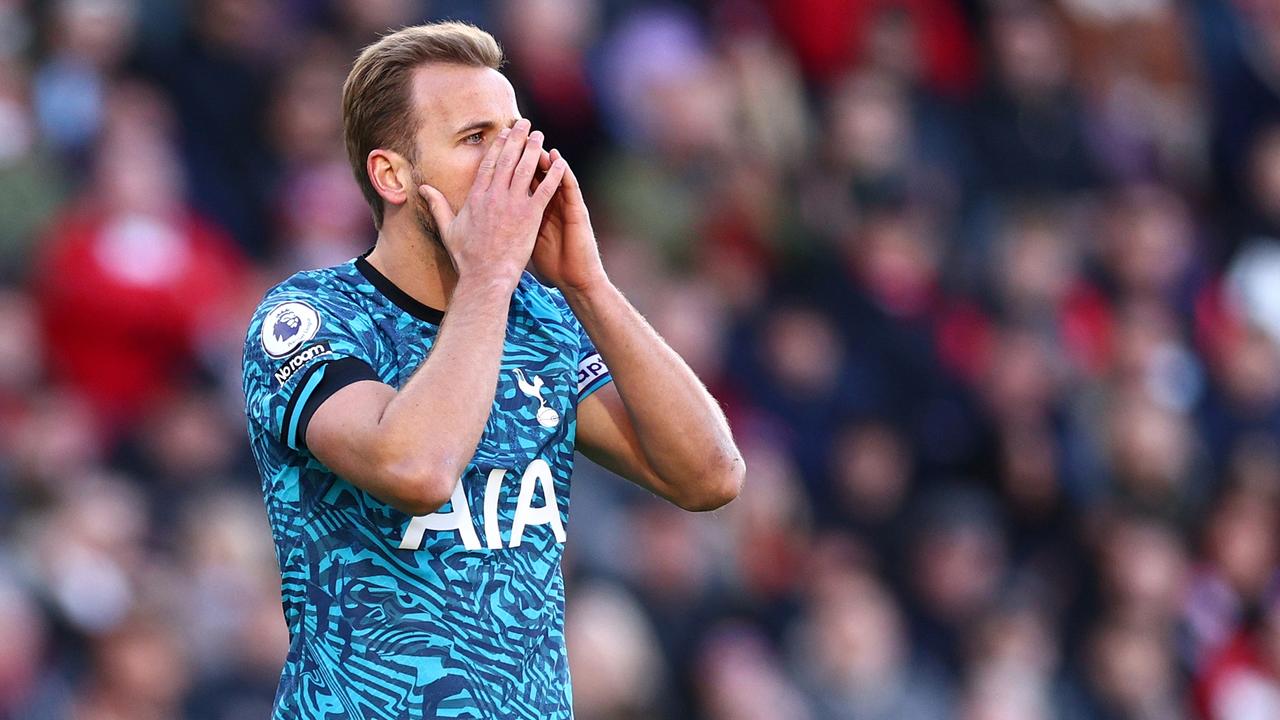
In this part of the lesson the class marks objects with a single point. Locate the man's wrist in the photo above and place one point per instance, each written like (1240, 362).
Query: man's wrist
(588, 290)
(489, 282)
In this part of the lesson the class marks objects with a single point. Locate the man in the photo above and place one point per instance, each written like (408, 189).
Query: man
(414, 412)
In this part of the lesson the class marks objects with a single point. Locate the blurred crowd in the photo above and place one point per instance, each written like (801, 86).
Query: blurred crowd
(990, 290)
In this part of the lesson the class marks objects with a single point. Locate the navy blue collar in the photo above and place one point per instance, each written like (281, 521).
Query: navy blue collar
(399, 297)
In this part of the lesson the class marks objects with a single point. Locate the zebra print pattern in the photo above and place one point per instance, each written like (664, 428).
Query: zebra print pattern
(440, 631)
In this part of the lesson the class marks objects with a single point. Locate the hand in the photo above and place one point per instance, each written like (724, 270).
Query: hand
(493, 234)
(565, 253)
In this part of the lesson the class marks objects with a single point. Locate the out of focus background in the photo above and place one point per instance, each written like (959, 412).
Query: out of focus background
(990, 290)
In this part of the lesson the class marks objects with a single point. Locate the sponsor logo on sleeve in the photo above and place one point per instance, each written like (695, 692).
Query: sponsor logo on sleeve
(590, 369)
(297, 362)
(287, 327)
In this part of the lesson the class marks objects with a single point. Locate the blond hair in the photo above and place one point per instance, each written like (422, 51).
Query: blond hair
(376, 110)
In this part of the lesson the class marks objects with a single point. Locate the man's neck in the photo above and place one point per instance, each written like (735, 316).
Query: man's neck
(416, 265)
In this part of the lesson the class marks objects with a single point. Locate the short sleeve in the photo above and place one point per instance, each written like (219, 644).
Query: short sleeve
(593, 374)
(301, 348)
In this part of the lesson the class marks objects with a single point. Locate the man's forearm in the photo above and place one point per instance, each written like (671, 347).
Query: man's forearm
(437, 418)
(681, 429)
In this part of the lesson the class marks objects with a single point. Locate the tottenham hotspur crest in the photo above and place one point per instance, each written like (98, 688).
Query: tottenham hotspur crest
(287, 326)
(547, 416)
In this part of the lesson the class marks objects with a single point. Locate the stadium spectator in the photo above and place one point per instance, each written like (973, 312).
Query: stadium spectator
(987, 290)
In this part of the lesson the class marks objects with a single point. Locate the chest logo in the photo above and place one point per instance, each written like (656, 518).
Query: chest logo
(547, 416)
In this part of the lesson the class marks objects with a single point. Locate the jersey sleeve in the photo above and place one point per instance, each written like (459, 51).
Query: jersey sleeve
(593, 374)
(301, 348)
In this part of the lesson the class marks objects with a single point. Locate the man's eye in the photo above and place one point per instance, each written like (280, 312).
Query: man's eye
(474, 138)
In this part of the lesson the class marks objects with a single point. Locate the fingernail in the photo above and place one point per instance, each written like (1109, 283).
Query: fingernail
(559, 162)
(536, 135)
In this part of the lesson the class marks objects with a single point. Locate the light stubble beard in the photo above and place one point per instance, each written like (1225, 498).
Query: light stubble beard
(422, 211)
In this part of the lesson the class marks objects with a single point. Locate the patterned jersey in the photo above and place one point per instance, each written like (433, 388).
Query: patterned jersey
(457, 614)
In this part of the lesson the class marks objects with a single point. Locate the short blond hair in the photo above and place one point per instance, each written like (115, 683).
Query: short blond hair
(376, 111)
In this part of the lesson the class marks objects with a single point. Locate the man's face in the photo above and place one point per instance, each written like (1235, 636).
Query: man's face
(460, 111)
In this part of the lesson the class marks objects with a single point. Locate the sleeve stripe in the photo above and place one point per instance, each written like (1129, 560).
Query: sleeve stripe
(590, 369)
(293, 404)
(338, 374)
(593, 374)
(300, 400)
(595, 385)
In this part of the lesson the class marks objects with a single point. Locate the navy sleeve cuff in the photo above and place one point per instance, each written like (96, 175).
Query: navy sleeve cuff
(593, 374)
(319, 383)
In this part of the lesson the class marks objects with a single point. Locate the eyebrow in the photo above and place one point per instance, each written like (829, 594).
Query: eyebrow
(475, 125)
(485, 125)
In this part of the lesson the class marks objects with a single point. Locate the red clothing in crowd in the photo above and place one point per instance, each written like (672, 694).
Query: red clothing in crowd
(123, 300)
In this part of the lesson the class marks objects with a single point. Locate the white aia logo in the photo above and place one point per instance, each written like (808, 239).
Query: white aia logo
(459, 517)
(547, 416)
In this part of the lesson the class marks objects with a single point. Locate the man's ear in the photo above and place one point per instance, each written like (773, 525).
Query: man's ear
(390, 175)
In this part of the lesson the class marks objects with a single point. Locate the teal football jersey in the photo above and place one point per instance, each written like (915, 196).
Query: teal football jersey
(457, 614)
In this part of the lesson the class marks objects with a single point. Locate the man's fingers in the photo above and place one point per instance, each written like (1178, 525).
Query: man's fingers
(511, 152)
(548, 186)
(528, 161)
(571, 185)
(553, 156)
(544, 164)
(570, 180)
(439, 207)
(484, 175)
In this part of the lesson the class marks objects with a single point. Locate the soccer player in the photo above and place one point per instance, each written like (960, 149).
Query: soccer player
(414, 411)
